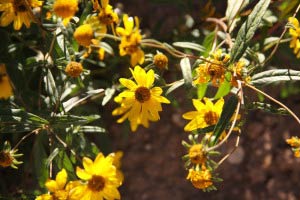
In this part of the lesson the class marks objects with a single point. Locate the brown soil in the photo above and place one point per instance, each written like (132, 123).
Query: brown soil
(262, 167)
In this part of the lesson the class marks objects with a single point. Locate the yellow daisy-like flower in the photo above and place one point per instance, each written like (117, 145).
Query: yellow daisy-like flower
(130, 41)
(106, 15)
(213, 70)
(8, 156)
(141, 101)
(65, 9)
(295, 33)
(101, 180)
(5, 86)
(200, 179)
(206, 114)
(18, 11)
(295, 143)
(59, 188)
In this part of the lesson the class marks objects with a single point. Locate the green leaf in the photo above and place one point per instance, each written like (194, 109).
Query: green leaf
(63, 161)
(40, 158)
(67, 120)
(208, 43)
(174, 86)
(226, 115)
(189, 45)
(109, 92)
(18, 120)
(52, 156)
(233, 7)
(186, 71)
(201, 90)
(50, 87)
(92, 129)
(225, 87)
(248, 29)
(275, 76)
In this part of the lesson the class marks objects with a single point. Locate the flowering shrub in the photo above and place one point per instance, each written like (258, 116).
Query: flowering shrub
(48, 79)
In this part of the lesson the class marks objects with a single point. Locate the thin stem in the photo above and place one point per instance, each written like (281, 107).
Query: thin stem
(280, 38)
(36, 131)
(274, 100)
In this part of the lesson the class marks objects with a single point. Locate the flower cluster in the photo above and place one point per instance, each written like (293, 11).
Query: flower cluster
(99, 179)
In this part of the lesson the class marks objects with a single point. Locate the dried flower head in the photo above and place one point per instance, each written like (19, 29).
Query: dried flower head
(74, 69)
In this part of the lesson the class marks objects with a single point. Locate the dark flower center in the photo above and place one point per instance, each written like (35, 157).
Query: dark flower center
(142, 94)
(211, 118)
(19, 6)
(96, 183)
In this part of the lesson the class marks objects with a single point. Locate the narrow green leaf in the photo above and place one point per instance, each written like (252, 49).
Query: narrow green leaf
(52, 156)
(225, 87)
(67, 120)
(50, 86)
(227, 113)
(109, 92)
(176, 85)
(189, 45)
(275, 76)
(248, 29)
(92, 129)
(201, 90)
(186, 70)
(63, 161)
(208, 43)
(40, 157)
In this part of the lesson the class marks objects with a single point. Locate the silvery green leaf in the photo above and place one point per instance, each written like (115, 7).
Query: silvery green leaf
(248, 29)
(186, 70)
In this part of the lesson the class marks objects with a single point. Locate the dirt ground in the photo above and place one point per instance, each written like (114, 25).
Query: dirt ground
(263, 166)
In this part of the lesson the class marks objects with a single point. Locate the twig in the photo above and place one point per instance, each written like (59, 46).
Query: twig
(274, 100)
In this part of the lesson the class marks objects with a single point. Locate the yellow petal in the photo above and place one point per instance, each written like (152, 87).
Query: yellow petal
(51, 185)
(82, 174)
(190, 115)
(150, 78)
(88, 165)
(61, 179)
(128, 83)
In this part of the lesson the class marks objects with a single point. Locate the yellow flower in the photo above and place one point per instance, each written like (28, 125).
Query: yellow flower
(84, 35)
(17, 11)
(141, 101)
(197, 154)
(107, 16)
(200, 179)
(5, 86)
(213, 70)
(130, 41)
(58, 188)
(206, 114)
(293, 142)
(295, 33)
(160, 60)
(65, 9)
(101, 178)
(117, 156)
(74, 69)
